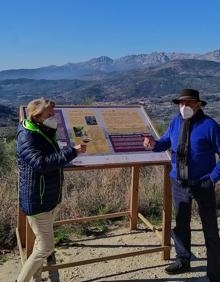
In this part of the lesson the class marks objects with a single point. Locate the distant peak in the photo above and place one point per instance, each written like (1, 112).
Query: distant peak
(217, 52)
(212, 56)
(101, 60)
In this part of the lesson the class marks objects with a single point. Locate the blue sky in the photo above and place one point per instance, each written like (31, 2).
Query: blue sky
(37, 33)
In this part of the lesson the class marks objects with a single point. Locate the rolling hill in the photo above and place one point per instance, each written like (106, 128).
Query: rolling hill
(165, 79)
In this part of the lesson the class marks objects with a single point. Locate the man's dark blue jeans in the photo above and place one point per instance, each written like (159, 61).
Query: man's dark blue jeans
(204, 194)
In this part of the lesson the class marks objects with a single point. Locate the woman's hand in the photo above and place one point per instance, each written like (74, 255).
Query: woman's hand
(81, 148)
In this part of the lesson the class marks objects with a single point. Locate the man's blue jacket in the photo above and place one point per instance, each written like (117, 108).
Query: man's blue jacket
(40, 163)
(203, 146)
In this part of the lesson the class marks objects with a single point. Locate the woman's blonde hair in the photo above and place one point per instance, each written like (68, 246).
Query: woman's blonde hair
(37, 106)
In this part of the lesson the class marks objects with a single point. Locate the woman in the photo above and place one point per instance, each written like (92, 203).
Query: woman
(40, 162)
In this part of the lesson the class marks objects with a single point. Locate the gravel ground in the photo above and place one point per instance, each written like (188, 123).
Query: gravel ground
(149, 267)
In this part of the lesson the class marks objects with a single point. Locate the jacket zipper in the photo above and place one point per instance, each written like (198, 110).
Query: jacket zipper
(59, 169)
(42, 188)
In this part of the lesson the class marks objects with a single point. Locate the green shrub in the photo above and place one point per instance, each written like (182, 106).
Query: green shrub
(61, 234)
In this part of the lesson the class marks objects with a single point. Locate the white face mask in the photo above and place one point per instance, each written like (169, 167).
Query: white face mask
(50, 122)
(186, 112)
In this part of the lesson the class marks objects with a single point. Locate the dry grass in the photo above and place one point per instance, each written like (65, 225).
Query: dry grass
(8, 211)
(86, 193)
(93, 192)
(103, 191)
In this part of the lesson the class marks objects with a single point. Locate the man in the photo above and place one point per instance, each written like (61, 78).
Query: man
(41, 162)
(194, 139)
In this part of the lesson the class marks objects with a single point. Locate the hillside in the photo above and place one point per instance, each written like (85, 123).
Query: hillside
(8, 116)
(166, 79)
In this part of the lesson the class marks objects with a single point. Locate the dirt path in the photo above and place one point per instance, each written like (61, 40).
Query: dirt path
(143, 268)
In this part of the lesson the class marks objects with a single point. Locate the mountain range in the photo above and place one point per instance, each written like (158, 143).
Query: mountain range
(98, 68)
(127, 79)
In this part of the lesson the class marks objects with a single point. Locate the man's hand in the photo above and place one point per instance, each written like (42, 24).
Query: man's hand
(149, 143)
(81, 148)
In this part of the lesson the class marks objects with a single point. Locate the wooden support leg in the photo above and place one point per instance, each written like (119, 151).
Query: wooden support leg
(134, 198)
(167, 212)
(22, 227)
(30, 238)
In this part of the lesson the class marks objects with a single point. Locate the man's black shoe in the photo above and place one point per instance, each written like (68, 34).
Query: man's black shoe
(178, 267)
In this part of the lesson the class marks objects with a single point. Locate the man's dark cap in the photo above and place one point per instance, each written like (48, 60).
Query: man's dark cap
(189, 94)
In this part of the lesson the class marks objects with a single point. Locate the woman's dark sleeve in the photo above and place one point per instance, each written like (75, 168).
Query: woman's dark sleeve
(30, 150)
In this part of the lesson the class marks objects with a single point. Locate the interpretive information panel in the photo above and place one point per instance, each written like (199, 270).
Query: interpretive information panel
(113, 134)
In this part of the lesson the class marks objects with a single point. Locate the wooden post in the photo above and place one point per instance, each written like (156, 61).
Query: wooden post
(22, 227)
(134, 197)
(30, 238)
(167, 213)
(25, 232)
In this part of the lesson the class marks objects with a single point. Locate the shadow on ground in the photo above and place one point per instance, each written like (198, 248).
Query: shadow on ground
(194, 269)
